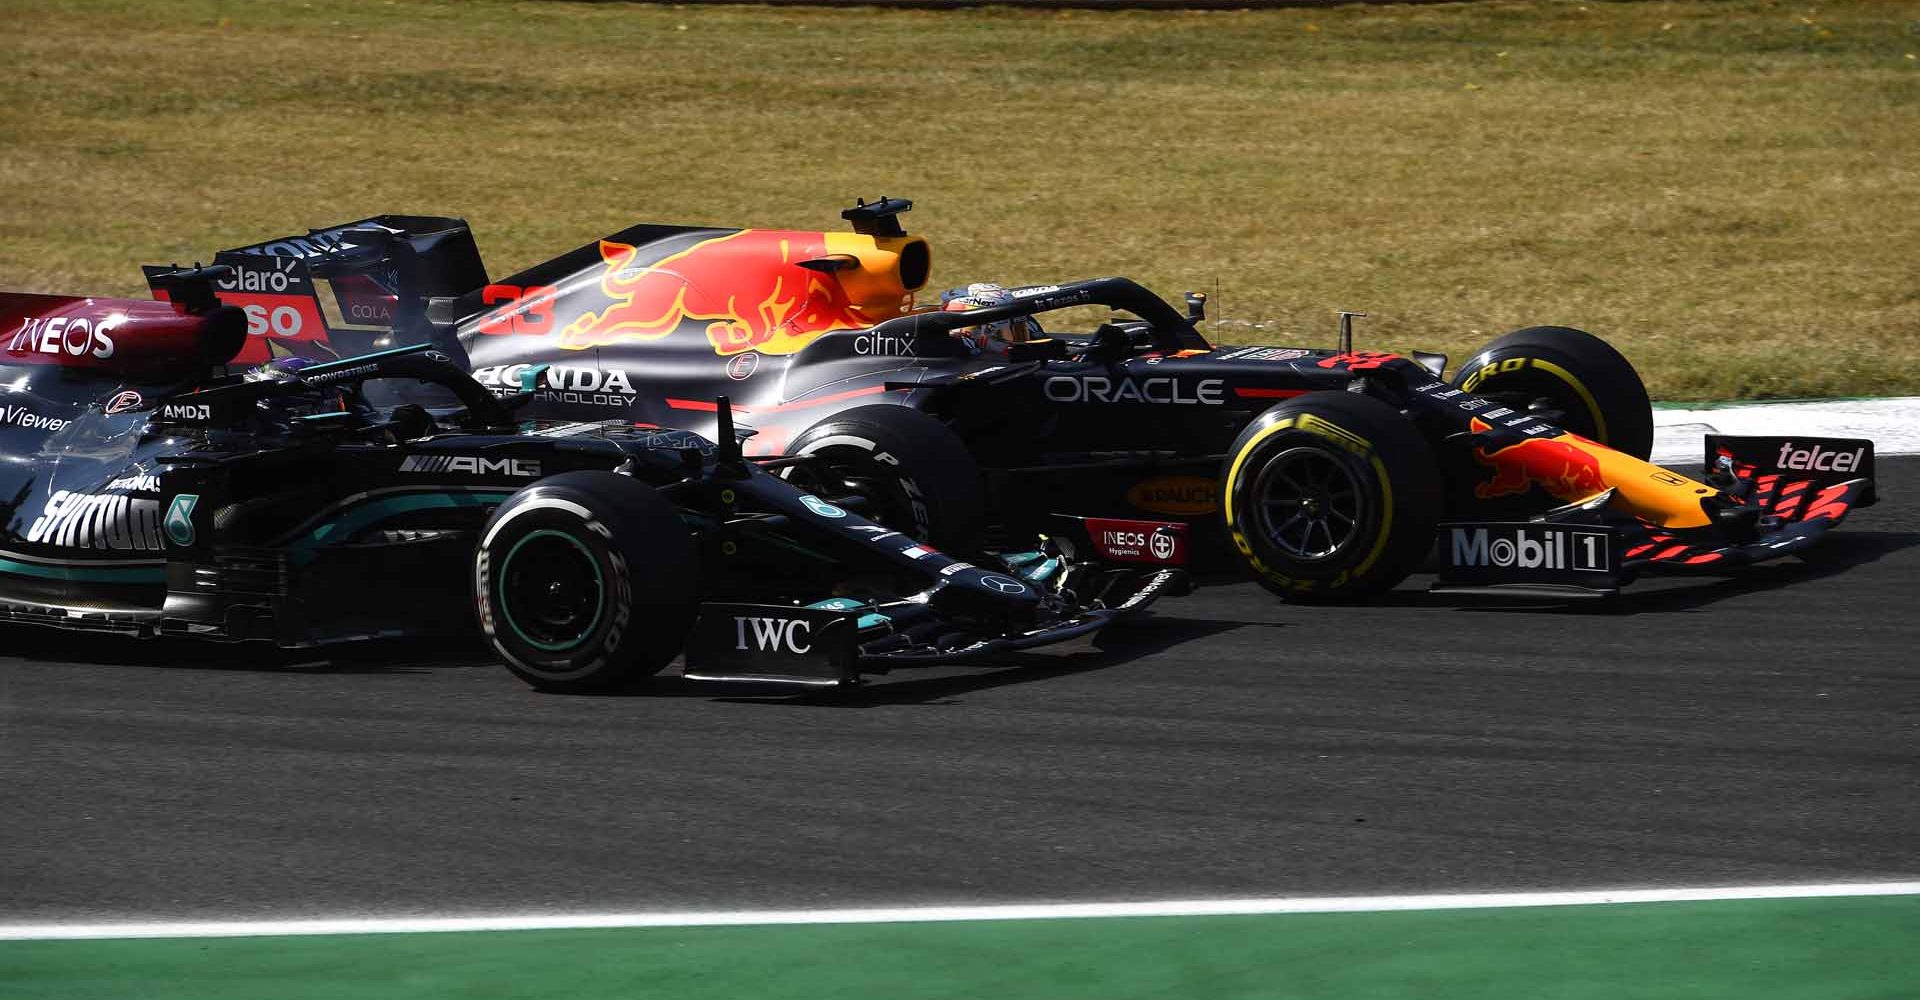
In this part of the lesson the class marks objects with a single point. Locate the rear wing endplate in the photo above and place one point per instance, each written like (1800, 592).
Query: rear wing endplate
(337, 292)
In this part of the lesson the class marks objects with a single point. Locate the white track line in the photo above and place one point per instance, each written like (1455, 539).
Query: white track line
(927, 914)
(1892, 424)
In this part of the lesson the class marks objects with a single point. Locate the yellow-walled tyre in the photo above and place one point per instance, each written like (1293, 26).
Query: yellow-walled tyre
(1593, 386)
(1332, 496)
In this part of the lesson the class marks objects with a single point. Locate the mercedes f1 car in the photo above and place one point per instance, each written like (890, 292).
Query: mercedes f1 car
(1325, 473)
(151, 487)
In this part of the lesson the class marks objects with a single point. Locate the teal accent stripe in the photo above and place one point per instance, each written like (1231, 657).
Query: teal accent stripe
(354, 519)
(344, 526)
(599, 589)
(78, 573)
(1040, 573)
(866, 621)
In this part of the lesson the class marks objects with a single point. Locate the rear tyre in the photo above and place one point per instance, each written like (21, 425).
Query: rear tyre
(1599, 394)
(1332, 496)
(584, 581)
(915, 473)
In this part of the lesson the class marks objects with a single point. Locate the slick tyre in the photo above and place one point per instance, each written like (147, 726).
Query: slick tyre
(915, 473)
(584, 581)
(1332, 496)
(1599, 394)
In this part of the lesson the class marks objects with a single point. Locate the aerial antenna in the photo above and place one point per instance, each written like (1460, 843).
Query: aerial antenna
(1346, 329)
(728, 462)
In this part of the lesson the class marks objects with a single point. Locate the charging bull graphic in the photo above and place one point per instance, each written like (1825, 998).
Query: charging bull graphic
(751, 287)
(1557, 464)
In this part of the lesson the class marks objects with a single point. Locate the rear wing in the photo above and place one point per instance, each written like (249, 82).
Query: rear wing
(348, 289)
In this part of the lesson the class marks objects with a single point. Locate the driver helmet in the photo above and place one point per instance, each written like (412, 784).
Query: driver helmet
(329, 400)
(994, 337)
(278, 370)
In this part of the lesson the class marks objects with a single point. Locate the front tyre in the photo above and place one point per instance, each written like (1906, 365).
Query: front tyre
(1594, 388)
(915, 473)
(584, 581)
(1332, 496)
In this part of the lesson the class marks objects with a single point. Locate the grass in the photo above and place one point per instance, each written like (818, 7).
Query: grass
(1724, 188)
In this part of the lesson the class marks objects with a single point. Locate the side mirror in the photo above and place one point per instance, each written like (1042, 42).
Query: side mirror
(1196, 307)
(529, 384)
(1109, 343)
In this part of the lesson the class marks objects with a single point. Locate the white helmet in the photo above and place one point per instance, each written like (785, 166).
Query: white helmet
(993, 337)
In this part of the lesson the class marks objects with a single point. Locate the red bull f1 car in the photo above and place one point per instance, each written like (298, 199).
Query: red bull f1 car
(1324, 473)
(152, 485)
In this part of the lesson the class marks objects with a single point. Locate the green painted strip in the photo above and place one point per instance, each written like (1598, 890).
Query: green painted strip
(353, 520)
(85, 574)
(1805, 949)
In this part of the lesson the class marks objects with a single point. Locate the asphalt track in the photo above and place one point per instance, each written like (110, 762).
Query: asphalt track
(1751, 730)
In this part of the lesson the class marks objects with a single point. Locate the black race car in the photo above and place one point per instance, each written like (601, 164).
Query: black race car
(1324, 473)
(150, 487)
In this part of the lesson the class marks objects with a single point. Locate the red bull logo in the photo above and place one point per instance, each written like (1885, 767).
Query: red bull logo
(1560, 465)
(748, 287)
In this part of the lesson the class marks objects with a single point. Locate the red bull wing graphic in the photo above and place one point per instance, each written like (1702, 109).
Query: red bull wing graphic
(752, 289)
(1791, 527)
(1563, 466)
(1571, 468)
(1775, 496)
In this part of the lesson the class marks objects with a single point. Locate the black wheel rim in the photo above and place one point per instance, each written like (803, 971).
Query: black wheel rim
(1308, 504)
(551, 590)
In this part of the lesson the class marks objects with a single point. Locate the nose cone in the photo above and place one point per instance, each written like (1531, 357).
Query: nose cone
(994, 597)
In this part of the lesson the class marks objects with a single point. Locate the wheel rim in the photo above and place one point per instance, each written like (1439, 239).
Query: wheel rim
(551, 590)
(1308, 504)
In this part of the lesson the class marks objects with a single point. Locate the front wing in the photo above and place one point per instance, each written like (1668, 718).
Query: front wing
(1795, 490)
(837, 641)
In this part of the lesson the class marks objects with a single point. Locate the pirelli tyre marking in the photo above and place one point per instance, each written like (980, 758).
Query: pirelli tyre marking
(1479, 375)
(1348, 441)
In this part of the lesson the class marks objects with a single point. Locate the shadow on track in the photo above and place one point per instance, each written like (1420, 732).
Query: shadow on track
(1654, 594)
(1840, 553)
(371, 656)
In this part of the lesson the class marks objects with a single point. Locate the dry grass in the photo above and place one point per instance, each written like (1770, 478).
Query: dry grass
(1725, 189)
